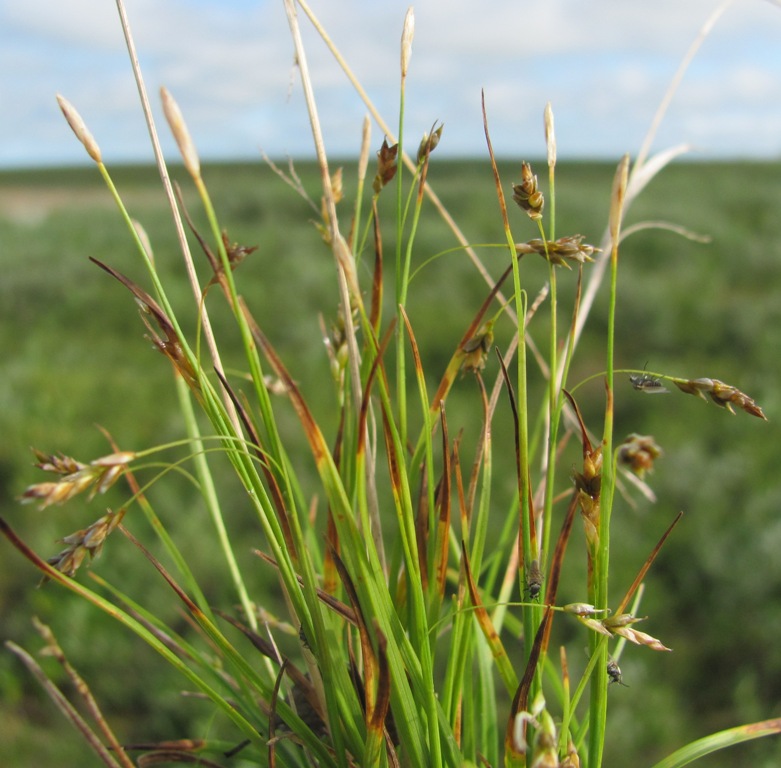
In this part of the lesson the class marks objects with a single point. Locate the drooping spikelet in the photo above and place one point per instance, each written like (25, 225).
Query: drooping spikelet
(96, 477)
(88, 542)
(724, 395)
(559, 252)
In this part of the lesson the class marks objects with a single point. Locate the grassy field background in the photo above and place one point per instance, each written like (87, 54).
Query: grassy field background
(73, 355)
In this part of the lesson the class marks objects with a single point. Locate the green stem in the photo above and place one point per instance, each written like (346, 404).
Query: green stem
(530, 617)
(598, 704)
(212, 501)
(401, 291)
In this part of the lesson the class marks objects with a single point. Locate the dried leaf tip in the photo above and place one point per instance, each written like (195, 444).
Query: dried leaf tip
(178, 128)
(550, 135)
(79, 127)
(406, 40)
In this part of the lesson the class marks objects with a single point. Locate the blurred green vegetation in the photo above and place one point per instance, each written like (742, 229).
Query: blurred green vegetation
(74, 356)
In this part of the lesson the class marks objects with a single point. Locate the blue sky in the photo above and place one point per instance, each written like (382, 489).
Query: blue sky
(604, 65)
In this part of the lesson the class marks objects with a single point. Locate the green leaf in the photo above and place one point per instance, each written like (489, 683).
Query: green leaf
(720, 740)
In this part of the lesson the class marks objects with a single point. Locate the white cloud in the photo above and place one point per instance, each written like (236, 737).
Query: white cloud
(604, 64)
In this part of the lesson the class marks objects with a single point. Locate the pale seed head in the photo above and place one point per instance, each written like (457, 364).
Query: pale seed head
(641, 638)
(407, 34)
(119, 458)
(79, 127)
(550, 135)
(366, 133)
(179, 129)
(583, 609)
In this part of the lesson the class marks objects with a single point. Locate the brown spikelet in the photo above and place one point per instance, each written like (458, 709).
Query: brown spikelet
(637, 453)
(560, 252)
(527, 194)
(477, 348)
(724, 395)
(429, 143)
(588, 484)
(75, 478)
(85, 542)
(386, 165)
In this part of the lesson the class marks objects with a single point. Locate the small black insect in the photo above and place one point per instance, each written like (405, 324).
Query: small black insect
(534, 580)
(646, 383)
(614, 673)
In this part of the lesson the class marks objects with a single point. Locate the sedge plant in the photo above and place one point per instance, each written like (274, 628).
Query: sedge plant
(424, 604)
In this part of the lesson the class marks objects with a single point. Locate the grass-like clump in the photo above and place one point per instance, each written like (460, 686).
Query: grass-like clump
(412, 614)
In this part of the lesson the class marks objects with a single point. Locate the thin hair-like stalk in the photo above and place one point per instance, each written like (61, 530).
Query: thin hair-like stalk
(599, 598)
(532, 616)
(402, 256)
(175, 214)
